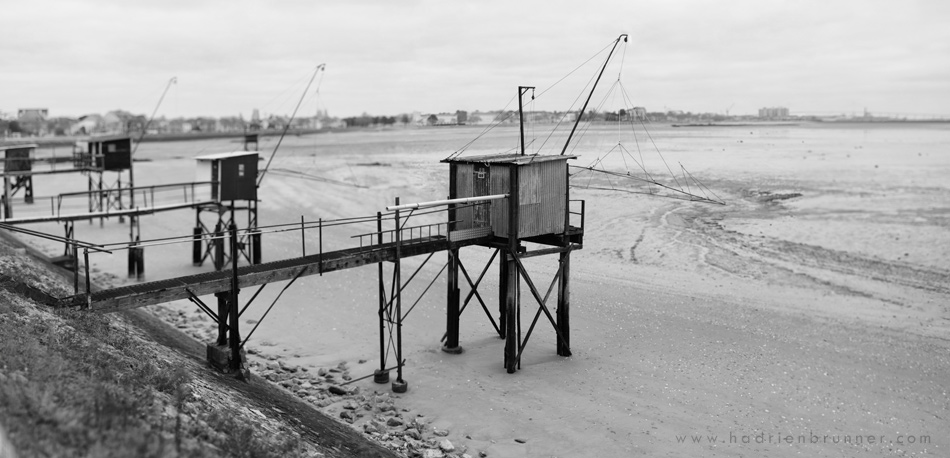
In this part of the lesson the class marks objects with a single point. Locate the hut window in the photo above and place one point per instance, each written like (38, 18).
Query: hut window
(240, 170)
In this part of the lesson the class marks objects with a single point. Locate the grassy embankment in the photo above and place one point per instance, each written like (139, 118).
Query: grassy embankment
(81, 384)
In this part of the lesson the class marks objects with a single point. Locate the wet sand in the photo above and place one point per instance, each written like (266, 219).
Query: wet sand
(814, 304)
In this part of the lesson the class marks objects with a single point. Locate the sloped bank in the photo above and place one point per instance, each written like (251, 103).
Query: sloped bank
(128, 384)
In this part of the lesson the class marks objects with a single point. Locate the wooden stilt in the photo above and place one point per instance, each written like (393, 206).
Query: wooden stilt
(452, 312)
(564, 305)
(381, 375)
(511, 315)
(502, 294)
(513, 277)
(223, 317)
(399, 385)
(234, 336)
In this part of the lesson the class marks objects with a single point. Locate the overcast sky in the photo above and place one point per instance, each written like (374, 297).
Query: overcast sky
(386, 57)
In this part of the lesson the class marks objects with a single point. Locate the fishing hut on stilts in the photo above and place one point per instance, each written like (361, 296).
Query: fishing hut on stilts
(17, 175)
(233, 179)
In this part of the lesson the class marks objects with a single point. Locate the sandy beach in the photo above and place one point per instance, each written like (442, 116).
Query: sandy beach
(810, 316)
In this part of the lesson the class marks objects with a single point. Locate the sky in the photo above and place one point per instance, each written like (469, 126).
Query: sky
(386, 57)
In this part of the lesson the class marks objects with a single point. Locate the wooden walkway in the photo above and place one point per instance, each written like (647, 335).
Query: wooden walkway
(156, 292)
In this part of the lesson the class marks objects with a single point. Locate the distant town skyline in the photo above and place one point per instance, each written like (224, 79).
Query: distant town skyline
(386, 58)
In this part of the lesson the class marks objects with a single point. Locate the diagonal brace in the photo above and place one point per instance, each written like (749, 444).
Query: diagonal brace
(537, 297)
(201, 305)
(537, 315)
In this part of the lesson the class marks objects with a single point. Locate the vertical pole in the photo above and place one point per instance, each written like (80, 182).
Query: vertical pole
(514, 278)
(452, 312)
(303, 239)
(7, 211)
(235, 336)
(223, 317)
(196, 246)
(400, 385)
(381, 375)
(564, 281)
(320, 243)
(85, 258)
(131, 183)
(502, 293)
(101, 197)
(72, 253)
(521, 91)
(255, 234)
(564, 305)
(131, 259)
(218, 243)
(452, 279)
(119, 192)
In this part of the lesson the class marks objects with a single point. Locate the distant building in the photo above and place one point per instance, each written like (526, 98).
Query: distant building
(33, 120)
(773, 113)
(639, 113)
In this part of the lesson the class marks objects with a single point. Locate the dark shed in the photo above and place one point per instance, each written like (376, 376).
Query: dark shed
(17, 158)
(112, 153)
(234, 175)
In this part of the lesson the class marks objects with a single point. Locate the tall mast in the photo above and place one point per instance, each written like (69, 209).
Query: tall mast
(581, 114)
(287, 127)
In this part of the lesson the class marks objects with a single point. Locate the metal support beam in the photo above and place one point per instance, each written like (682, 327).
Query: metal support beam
(399, 385)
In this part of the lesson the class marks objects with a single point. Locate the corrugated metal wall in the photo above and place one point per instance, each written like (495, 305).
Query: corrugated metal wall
(499, 208)
(463, 188)
(541, 187)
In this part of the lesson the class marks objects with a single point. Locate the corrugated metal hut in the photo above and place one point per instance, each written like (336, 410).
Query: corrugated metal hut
(542, 194)
(234, 175)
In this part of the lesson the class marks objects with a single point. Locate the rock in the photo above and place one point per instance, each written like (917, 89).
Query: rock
(306, 385)
(520, 441)
(273, 365)
(446, 446)
(370, 428)
(350, 405)
(336, 370)
(482, 454)
(337, 390)
(432, 453)
(361, 361)
(322, 372)
(466, 455)
(440, 432)
(415, 434)
(348, 416)
(394, 421)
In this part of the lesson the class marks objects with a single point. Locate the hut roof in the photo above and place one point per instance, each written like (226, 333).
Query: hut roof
(507, 159)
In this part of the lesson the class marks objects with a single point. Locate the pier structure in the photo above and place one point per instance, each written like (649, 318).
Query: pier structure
(233, 178)
(504, 203)
(104, 159)
(17, 175)
(18, 172)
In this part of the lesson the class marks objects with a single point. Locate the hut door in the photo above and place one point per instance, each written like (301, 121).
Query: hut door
(481, 187)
